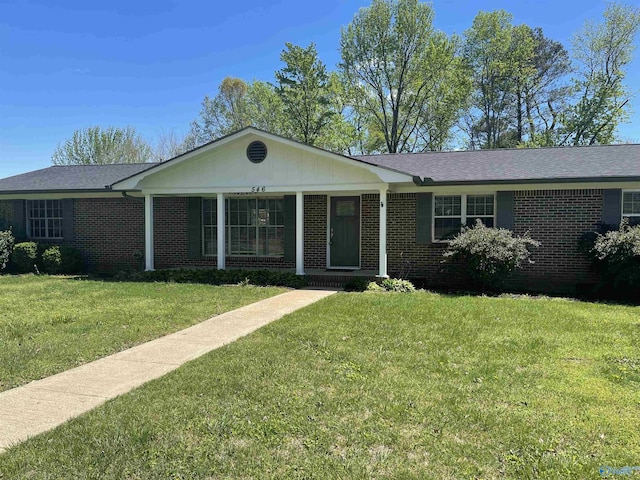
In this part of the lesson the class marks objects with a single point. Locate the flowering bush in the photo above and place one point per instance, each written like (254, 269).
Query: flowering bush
(616, 255)
(489, 254)
(6, 247)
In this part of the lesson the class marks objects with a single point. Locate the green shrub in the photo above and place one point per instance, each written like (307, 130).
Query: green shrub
(374, 287)
(356, 284)
(219, 277)
(6, 247)
(24, 258)
(397, 285)
(488, 255)
(62, 259)
(616, 257)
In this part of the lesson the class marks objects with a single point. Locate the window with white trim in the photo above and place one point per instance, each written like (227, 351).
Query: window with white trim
(452, 212)
(44, 219)
(631, 207)
(253, 227)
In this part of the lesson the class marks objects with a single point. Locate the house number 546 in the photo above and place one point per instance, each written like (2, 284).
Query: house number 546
(258, 189)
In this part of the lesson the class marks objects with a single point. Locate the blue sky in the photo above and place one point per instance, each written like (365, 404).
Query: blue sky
(67, 64)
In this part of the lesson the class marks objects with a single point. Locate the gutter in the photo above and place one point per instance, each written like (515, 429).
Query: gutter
(427, 181)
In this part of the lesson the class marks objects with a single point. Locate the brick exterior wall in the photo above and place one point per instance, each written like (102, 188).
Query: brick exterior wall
(109, 232)
(403, 253)
(370, 231)
(315, 232)
(557, 219)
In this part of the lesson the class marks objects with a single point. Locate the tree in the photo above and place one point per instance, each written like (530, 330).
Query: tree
(303, 87)
(237, 105)
(519, 80)
(169, 144)
(393, 60)
(222, 114)
(603, 51)
(488, 50)
(545, 93)
(98, 145)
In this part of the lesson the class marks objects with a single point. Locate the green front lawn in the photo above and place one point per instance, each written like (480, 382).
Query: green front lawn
(51, 324)
(377, 386)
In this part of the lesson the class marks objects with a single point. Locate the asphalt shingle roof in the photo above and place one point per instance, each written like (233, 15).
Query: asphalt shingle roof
(71, 177)
(479, 166)
(593, 162)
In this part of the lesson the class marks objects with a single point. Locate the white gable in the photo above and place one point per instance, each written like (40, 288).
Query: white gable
(225, 167)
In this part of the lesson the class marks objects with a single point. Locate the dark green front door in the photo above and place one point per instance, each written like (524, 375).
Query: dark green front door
(344, 232)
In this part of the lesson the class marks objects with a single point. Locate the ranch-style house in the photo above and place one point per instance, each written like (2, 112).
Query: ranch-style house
(257, 200)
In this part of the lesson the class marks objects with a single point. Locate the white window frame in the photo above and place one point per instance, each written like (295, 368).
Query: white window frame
(46, 219)
(463, 210)
(622, 214)
(228, 227)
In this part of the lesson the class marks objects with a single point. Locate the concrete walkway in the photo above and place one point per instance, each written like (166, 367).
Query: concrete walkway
(44, 404)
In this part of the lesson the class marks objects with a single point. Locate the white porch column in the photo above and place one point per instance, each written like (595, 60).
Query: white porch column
(299, 233)
(383, 234)
(221, 231)
(148, 232)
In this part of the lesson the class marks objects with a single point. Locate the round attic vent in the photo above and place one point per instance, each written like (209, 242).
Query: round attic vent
(256, 152)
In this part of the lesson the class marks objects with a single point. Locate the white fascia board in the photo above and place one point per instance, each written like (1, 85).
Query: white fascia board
(280, 189)
(385, 175)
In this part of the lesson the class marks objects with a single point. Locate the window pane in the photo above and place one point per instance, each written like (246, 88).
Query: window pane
(446, 228)
(345, 208)
(487, 221)
(448, 205)
(631, 203)
(263, 241)
(210, 246)
(480, 205)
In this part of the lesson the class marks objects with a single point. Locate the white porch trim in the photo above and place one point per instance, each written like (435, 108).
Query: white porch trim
(270, 189)
(299, 233)
(148, 233)
(382, 261)
(220, 207)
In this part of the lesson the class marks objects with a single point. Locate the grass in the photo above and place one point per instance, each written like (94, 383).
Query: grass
(377, 386)
(51, 324)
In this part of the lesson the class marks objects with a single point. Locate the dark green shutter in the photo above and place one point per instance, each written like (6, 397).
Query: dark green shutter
(67, 219)
(194, 228)
(612, 207)
(19, 221)
(290, 228)
(424, 203)
(504, 210)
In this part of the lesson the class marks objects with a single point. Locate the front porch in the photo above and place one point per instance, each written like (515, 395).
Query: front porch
(176, 235)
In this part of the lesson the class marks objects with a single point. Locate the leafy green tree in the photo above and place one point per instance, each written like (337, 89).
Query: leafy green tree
(98, 145)
(222, 114)
(393, 60)
(488, 50)
(303, 87)
(542, 95)
(603, 52)
(237, 105)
